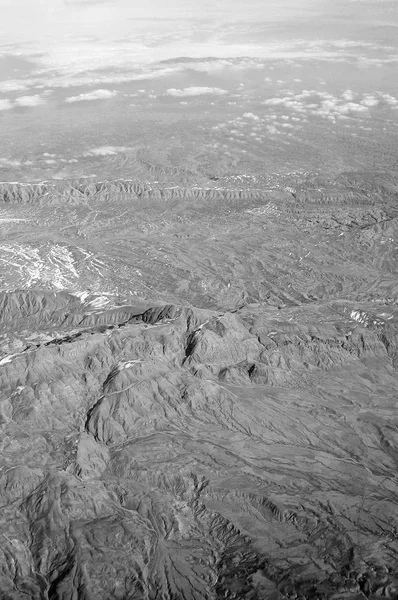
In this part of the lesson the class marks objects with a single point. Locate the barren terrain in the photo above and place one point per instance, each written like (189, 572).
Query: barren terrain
(209, 410)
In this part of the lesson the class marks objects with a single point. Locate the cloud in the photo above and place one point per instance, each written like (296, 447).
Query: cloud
(106, 151)
(348, 95)
(22, 101)
(326, 105)
(7, 163)
(86, 1)
(35, 100)
(212, 66)
(389, 99)
(276, 101)
(82, 60)
(14, 85)
(249, 115)
(5, 104)
(286, 114)
(94, 95)
(370, 100)
(80, 78)
(195, 91)
(73, 57)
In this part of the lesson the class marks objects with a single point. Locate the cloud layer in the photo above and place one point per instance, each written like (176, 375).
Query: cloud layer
(106, 151)
(195, 91)
(329, 106)
(23, 101)
(94, 95)
(288, 115)
(35, 100)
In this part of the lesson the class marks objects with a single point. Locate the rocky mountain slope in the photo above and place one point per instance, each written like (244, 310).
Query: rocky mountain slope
(199, 389)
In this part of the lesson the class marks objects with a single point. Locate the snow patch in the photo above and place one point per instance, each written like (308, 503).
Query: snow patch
(28, 266)
(365, 319)
(7, 359)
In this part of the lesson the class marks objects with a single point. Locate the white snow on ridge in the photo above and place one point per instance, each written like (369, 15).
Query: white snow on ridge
(100, 302)
(359, 316)
(130, 363)
(56, 267)
(7, 359)
(27, 266)
(82, 296)
(366, 319)
(94, 300)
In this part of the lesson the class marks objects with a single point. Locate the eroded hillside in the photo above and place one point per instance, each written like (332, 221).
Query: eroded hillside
(199, 390)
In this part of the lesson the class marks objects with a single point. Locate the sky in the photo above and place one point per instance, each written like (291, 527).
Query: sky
(82, 14)
(49, 44)
(69, 62)
(73, 35)
(40, 20)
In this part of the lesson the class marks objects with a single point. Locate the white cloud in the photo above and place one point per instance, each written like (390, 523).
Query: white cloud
(350, 107)
(13, 85)
(5, 104)
(348, 95)
(195, 91)
(275, 101)
(72, 60)
(94, 95)
(6, 162)
(113, 68)
(328, 106)
(389, 99)
(249, 115)
(106, 151)
(369, 100)
(35, 100)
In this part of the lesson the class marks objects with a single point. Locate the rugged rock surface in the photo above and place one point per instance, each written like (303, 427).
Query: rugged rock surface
(222, 424)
